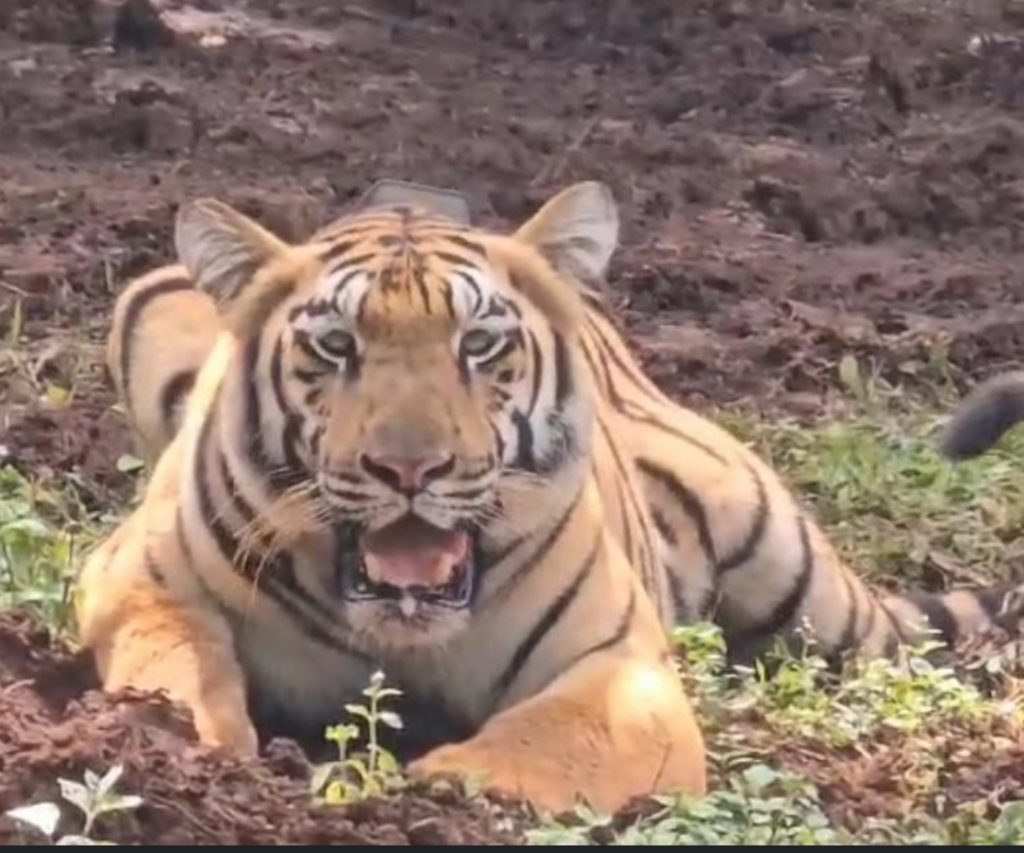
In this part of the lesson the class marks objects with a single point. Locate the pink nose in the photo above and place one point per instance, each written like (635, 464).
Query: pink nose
(407, 475)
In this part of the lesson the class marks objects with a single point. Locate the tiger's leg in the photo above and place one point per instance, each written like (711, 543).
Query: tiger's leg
(150, 627)
(610, 728)
(737, 546)
(734, 530)
(162, 330)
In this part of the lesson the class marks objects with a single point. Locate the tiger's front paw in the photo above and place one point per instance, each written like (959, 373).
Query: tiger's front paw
(227, 726)
(503, 776)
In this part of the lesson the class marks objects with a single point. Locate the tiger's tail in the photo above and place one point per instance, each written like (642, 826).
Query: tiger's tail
(984, 416)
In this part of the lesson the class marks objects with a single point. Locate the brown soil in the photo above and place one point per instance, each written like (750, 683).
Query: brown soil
(797, 181)
(56, 725)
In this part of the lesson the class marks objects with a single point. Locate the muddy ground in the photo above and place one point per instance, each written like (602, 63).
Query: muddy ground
(798, 181)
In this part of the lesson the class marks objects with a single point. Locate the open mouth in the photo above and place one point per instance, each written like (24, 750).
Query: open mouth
(409, 562)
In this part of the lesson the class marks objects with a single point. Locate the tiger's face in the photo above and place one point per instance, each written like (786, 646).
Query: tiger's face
(428, 382)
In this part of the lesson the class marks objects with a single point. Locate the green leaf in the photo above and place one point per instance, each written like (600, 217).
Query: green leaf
(390, 719)
(118, 803)
(42, 816)
(358, 711)
(387, 763)
(110, 779)
(321, 773)
(77, 794)
(759, 777)
(128, 464)
(57, 396)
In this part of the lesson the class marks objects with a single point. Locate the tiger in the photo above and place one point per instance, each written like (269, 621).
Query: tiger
(984, 416)
(419, 445)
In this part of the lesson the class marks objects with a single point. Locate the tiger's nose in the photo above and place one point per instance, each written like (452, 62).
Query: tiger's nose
(407, 474)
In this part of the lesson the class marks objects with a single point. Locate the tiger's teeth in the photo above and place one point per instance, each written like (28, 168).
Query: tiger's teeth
(407, 604)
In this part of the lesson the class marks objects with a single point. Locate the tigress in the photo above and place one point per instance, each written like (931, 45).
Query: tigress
(984, 416)
(421, 445)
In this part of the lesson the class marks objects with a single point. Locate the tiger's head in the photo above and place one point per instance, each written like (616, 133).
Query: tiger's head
(423, 375)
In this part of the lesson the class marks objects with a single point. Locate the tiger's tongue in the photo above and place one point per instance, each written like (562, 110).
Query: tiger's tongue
(412, 552)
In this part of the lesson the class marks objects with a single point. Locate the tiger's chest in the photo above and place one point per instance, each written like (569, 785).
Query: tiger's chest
(298, 685)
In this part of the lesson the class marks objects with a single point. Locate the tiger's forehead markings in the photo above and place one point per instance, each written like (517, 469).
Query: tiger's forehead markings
(401, 265)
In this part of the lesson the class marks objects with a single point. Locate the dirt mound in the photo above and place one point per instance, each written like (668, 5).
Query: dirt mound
(55, 725)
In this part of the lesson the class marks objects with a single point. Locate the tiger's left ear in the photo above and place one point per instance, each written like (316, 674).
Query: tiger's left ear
(577, 231)
(221, 248)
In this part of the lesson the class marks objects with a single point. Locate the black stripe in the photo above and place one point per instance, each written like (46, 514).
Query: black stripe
(786, 609)
(499, 442)
(938, 614)
(848, 639)
(465, 494)
(495, 308)
(131, 316)
(311, 377)
(342, 283)
(543, 548)
(274, 578)
(345, 494)
(627, 531)
(630, 501)
(538, 371)
(675, 586)
(292, 420)
(688, 501)
(757, 527)
(617, 636)
(449, 303)
(452, 258)
(336, 250)
(674, 582)
(421, 285)
(487, 560)
(313, 308)
(544, 624)
(467, 244)
(634, 413)
(525, 460)
(563, 372)
(478, 296)
(172, 394)
(664, 528)
(253, 441)
(354, 261)
(641, 382)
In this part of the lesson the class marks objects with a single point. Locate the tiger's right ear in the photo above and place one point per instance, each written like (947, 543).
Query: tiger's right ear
(221, 248)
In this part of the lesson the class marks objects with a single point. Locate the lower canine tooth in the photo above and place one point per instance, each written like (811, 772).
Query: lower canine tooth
(407, 605)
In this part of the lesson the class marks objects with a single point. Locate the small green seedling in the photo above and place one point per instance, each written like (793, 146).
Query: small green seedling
(94, 798)
(362, 775)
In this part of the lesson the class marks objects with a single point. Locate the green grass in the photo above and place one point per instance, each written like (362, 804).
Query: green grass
(775, 741)
(892, 505)
(44, 531)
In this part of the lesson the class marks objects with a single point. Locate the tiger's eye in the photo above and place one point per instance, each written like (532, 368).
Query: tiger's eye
(479, 342)
(335, 344)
